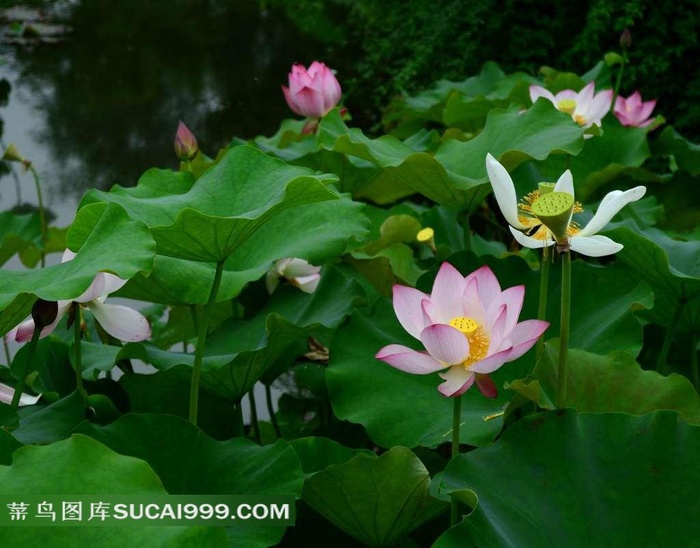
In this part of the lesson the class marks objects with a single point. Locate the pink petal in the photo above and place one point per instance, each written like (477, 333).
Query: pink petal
(525, 336)
(122, 322)
(446, 344)
(290, 101)
(408, 360)
(25, 330)
(447, 294)
(457, 381)
(497, 327)
(8, 392)
(487, 284)
(309, 102)
(471, 303)
(538, 91)
(490, 363)
(408, 308)
(486, 386)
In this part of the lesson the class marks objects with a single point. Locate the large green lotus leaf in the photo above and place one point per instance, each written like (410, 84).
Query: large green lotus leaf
(602, 159)
(114, 243)
(681, 201)
(603, 300)
(377, 500)
(609, 384)
(316, 454)
(225, 207)
(51, 423)
(512, 137)
(190, 462)
(685, 153)
(18, 231)
(395, 407)
(669, 266)
(564, 479)
(82, 466)
(8, 445)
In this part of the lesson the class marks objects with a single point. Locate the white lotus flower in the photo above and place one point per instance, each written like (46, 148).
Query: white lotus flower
(586, 107)
(530, 231)
(297, 272)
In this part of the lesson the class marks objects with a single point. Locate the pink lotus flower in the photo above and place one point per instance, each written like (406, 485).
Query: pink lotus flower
(314, 92)
(122, 322)
(186, 146)
(468, 326)
(585, 107)
(297, 272)
(633, 112)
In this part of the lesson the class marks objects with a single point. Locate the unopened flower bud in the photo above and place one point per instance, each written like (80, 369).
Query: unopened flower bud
(13, 155)
(186, 147)
(44, 313)
(625, 39)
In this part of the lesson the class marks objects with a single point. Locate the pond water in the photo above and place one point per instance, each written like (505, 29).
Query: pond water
(100, 104)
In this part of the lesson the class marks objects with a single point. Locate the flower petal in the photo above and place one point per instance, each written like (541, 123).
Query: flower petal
(594, 246)
(527, 241)
(487, 285)
(122, 322)
(448, 289)
(457, 381)
(504, 191)
(8, 392)
(486, 386)
(538, 91)
(524, 337)
(408, 308)
(609, 206)
(408, 360)
(565, 183)
(25, 330)
(446, 344)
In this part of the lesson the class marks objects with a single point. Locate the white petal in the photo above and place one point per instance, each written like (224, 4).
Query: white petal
(609, 206)
(308, 284)
(538, 91)
(527, 241)
(8, 392)
(565, 183)
(457, 381)
(122, 322)
(594, 246)
(503, 190)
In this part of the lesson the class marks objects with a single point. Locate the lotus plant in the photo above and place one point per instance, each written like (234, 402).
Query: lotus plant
(634, 112)
(534, 226)
(7, 395)
(312, 93)
(586, 107)
(186, 146)
(296, 272)
(122, 322)
(468, 326)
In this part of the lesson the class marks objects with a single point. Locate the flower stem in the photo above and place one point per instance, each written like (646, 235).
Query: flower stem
(254, 415)
(77, 352)
(271, 410)
(201, 341)
(42, 214)
(19, 387)
(618, 82)
(564, 327)
(456, 422)
(544, 288)
(8, 358)
(467, 233)
(694, 360)
(661, 364)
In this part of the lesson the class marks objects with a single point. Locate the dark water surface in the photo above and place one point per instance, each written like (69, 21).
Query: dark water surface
(101, 106)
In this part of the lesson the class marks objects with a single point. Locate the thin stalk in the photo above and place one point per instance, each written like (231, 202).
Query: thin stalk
(456, 422)
(271, 410)
(8, 358)
(661, 364)
(201, 341)
(42, 214)
(618, 82)
(239, 429)
(19, 387)
(544, 289)
(467, 233)
(564, 329)
(694, 360)
(77, 352)
(254, 415)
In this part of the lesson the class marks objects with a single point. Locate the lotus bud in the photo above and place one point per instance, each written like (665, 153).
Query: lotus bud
(625, 39)
(186, 147)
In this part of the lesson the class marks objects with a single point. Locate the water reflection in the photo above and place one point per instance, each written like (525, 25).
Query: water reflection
(105, 104)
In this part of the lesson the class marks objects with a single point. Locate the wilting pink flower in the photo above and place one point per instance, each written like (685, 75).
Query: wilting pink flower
(633, 112)
(7, 393)
(468, 326)
(185, 143)
(586, 107)
(297, 272)
(314, 92)
(122, 322)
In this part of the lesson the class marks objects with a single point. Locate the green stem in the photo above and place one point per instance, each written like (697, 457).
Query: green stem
(544, 288)
(694, 360)
(201, 341)
(271, 410)
(77, 352)
(8, 358)
(564, 327)
(618, 82)
(42, 214)
(19, 387)
(254, 415)
(456, 423)
(239, 429)
(467, 233)
(661, 364)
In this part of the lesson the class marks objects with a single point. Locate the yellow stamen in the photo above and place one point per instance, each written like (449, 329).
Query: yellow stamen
(535, 227)
(478, 339)
(425, 235)
(580, 120)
